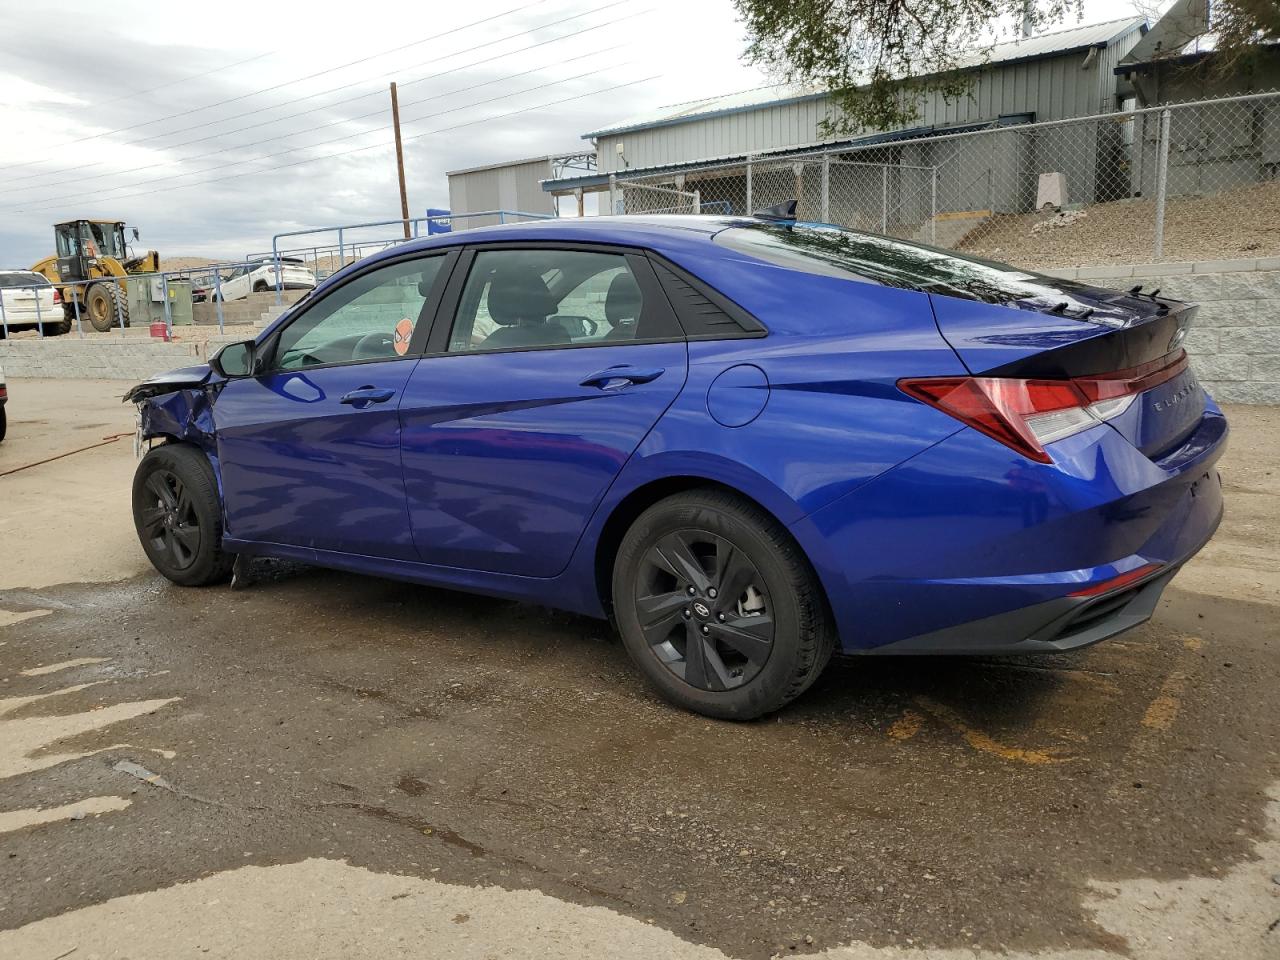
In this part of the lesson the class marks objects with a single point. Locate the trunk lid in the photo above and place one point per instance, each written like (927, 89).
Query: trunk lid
(1041, 328)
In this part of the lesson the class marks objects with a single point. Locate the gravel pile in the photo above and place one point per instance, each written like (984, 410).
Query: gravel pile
(1238, 223)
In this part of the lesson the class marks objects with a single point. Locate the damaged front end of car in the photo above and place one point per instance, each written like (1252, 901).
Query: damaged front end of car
(177, 406)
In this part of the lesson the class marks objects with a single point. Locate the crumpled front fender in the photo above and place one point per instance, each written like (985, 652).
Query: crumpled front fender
(178, 406)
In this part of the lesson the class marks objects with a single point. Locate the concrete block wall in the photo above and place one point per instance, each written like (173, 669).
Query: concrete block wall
(103, 358)
(1235, 341)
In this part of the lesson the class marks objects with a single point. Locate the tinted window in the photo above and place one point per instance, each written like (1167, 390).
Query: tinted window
(369, 318)
(22, 279)
(896, 263)
(517, 299)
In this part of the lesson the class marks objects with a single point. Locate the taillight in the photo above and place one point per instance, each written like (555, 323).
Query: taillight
(1025, 415)
(57, 296)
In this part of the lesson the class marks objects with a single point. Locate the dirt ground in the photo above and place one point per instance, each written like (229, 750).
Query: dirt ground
(326, 765)
(1235, 223)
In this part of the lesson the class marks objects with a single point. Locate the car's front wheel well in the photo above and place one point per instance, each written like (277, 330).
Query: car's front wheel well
(636, 503)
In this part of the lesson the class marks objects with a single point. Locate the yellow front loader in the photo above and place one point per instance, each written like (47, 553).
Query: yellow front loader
(94, 250)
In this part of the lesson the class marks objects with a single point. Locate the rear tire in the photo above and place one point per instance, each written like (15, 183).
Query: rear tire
(178, 516)
(752, 635)
(4, 423)
(100, 304)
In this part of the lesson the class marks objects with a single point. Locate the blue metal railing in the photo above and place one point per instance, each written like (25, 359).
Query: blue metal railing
(212, 276)
(213, 273)
(504, 216)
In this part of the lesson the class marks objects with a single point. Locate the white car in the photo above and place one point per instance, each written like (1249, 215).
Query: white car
(28, 299)
(260, 277)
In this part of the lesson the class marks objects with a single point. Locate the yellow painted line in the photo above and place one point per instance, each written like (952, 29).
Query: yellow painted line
(1163, 710)
(906, 726)
(985, 743)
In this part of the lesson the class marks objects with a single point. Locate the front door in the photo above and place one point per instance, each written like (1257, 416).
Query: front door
(555, 367)
(310, 447)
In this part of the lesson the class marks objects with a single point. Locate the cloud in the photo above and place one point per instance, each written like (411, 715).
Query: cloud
(68, 98)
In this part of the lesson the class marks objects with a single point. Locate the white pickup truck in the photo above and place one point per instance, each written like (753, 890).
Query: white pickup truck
(260, 277)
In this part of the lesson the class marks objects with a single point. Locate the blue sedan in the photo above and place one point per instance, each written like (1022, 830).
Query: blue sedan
(749, 442)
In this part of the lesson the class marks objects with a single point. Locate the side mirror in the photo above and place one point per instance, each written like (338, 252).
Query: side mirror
(235, 359)
(135, 233)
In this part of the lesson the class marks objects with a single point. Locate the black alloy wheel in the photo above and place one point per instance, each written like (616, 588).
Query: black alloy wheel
(718, 606)
(171, 522)
(704, 609)
(178, 515)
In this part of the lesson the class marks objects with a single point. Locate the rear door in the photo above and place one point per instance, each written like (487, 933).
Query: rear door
(310, 447)
(546, 368)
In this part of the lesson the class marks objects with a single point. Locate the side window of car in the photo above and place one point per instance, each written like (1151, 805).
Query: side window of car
(522, 299)
(369, 318)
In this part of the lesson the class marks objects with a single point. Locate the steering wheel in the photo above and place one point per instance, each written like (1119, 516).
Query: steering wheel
(586, 324)
(374, 346)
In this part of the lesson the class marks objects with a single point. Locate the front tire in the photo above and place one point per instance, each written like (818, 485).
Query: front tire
(178, 516)
(101, 304)
(718, 606)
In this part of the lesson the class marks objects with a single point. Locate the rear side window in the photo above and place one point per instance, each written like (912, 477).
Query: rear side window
(871, 258)
(524, 299)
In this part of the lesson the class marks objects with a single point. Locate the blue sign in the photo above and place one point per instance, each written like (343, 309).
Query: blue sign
(438, 226)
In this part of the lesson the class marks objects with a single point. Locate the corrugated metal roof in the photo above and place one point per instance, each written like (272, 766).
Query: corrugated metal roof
(1030, 48)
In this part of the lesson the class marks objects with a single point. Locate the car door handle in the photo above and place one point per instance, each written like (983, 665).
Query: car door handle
(364, 396)
(614, 378)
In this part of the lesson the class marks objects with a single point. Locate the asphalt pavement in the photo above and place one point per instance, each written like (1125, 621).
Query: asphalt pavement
(327, 765)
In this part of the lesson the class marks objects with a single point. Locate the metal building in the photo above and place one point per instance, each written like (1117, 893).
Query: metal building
(1068, 73)
(516, 185)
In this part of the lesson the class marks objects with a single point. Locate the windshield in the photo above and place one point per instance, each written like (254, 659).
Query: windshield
(109, 239)
(23, 279)
(834, 252)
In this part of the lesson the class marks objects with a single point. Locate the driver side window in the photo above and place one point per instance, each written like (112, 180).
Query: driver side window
(370, 318)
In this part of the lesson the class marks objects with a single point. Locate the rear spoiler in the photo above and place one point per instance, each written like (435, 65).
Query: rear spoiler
(1118, 348)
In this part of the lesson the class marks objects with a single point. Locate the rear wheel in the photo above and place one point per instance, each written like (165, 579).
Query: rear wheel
(718, 607)
(178, 516)
(101, 306)
(4, 422)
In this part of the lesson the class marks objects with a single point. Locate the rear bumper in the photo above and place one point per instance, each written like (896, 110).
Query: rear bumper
(1055, 626)
(965, 550)
(15, 318)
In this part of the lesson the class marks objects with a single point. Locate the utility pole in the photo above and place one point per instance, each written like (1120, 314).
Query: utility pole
(404, 196)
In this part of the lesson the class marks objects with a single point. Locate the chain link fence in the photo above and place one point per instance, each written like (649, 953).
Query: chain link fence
(1139, 171)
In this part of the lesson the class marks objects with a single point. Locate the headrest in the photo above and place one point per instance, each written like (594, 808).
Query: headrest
(623, 301)
(516, 295)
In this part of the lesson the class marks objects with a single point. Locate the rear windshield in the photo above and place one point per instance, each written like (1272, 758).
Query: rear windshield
(23, 279)
(833, 252)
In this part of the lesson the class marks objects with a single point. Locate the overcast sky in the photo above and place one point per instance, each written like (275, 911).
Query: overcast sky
(211, 127)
